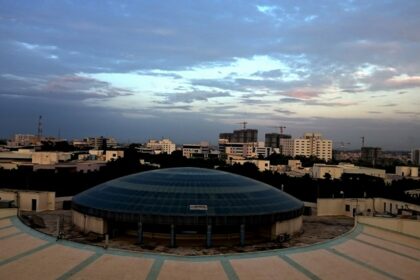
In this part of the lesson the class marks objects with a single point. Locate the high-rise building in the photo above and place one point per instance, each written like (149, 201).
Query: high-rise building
(100, 143)
(241, 136)
(240, 143)
(272, 140)
(415, 156)
(371, 154)
(312, 144)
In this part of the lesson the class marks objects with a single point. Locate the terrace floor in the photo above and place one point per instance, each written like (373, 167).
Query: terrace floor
(364, 253)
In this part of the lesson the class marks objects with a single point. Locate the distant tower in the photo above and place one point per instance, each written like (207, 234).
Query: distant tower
(39, 128)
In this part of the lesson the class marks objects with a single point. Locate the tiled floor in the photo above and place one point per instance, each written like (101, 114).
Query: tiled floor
(364, 253)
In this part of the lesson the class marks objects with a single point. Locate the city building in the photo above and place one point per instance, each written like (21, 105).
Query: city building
(241, 143)
(312, 144)
(201, 150)
(27, 200)
(241, 136)
(407, 171)
(48, 158)
(371, 154)
(272, 140)
(415, 156)
(113, 155)
(188, 204)
(262, 165)
(319, 170)
(22, 140)
(164, 146)
(364, 206)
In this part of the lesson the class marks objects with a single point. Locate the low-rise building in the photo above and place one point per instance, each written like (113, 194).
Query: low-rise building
(201, 150)
(407, 171)
(319, 170)
(113, 155)
(364, 206)
(165, 146)
(30, 200)
(262, 165)
(50, 157)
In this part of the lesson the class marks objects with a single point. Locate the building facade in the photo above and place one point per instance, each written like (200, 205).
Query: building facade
(415, 156)
(371, 154)
(165, 146)
(196, 150)
(312, 144)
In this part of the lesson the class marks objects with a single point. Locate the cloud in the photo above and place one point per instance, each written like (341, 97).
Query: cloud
(303, 93)
(69, 87)
(190, 97)
(284, 111)
(277, 73)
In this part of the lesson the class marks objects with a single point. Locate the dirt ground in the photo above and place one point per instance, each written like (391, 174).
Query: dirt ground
(315, 229)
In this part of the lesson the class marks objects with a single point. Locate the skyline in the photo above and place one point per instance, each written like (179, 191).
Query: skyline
(189, 70)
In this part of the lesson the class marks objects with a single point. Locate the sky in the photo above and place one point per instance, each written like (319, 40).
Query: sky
(189, 70)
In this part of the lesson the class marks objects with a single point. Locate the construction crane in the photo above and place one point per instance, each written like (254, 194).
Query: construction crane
(282, 128)
(243, 124)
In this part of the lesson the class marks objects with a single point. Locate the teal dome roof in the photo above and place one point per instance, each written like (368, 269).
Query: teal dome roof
(187, 191)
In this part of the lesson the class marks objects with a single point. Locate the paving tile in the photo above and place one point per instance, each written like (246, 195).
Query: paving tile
(18, 244)
(174, 270)
(49, 263)
(5, 222)
(383, 260)
(393, 236)
(8, 231)
(390, 246)
(265, 268)
(116, 267)
(327, 265)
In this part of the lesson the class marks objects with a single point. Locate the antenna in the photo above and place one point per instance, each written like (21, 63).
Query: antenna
(39, 128)
(243, 124)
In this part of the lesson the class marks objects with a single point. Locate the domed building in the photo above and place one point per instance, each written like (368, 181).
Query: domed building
(188, 204)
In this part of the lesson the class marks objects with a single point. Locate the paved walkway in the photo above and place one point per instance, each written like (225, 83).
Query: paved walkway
(364, 253)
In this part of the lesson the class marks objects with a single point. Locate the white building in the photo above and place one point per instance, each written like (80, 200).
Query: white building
(319, 170)
(114, 155)
(196, 150)
(312, 144)
(48, 158)
(161, 146)
(407, 171)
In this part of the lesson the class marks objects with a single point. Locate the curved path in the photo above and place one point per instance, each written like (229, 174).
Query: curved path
(364, 253)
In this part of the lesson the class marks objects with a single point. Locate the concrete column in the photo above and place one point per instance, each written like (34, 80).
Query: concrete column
(173, 236)
(208, 236)
(140, 232)
(242, 235)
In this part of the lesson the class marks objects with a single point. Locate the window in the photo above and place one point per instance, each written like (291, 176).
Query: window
(347, 208)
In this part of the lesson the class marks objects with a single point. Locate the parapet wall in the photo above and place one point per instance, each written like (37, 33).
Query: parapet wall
(404, 226)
